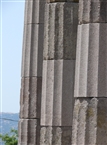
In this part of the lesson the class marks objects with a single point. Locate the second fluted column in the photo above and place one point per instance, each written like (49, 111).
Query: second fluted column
(58, 72)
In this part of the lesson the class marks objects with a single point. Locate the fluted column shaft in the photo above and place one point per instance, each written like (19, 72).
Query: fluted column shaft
(31, 75)
(90, 108)
(58, 72)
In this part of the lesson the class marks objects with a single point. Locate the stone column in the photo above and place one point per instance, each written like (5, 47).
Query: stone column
(90, 109)
(58, 72)
(31, 82)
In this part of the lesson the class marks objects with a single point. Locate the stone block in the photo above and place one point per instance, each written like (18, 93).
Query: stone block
(57, 92)
(34, 11)
(28, 132)
(90, 121)
(52, 1)
(30, 98)
(32, 54)
(92, 11)
(55, 136)
(60, 28)
(91, 61)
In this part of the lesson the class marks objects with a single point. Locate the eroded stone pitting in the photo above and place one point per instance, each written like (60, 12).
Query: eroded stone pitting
(92, 11)
(90, 121)
(55, 135)
(30, 98)
(29, 132)
(60, 31)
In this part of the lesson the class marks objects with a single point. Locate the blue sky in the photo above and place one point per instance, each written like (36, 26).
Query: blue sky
(11, 38)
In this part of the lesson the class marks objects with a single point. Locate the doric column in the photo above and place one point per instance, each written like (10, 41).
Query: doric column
(90, 109)
(31, 82)
(58, 72)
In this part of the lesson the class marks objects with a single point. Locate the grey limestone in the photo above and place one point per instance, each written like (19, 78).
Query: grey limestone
(57, 92)
(31, 73)
(53, 1)
(60, 30)
(91, 61)
(90, 121)
(34, 11)
(29, 132)
(92, 11)
(32, 53)
(55, 135)
(30, 98)
(90, 108)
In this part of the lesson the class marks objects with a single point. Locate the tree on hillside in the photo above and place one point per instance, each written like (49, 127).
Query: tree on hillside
(10, 138)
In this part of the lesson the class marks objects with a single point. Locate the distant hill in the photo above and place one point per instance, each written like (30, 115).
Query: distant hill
(8, 121)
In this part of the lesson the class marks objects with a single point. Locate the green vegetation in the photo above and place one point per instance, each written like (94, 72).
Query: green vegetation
(10, 138)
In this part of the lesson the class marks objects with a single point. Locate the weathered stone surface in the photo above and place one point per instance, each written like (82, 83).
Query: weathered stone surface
(29, 132)
(57, 92)
(91, 61)
(34, 11)
(90, 121)
(55, 136)
(60, 30)
(30, 99)
(32, 59)
(92, 11)
(32, 50)
(51, 1)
